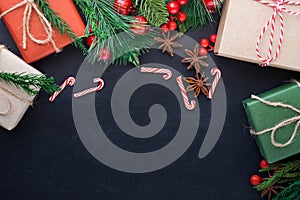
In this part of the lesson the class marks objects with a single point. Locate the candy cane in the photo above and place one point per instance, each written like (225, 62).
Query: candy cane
(218, 73)
(167, 76)
(188, 105)
(95, 89)
(69, 81)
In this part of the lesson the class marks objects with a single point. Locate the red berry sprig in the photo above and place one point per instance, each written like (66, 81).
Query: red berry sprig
(206, 46)
(175, 15)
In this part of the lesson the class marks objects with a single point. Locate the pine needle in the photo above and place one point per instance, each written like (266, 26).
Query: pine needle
(30, 83)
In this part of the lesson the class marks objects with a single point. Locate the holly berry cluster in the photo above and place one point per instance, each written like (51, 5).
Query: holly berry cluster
(175, 15)
(256, 179)
(206, 46)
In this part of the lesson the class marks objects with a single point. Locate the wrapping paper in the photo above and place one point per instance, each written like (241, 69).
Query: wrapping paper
(262, 116)
(242, 22)
(34, 52)
(13, 101)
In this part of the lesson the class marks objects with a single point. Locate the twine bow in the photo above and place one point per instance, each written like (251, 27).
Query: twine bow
(278, 9)
(282, 124)
(29, 5)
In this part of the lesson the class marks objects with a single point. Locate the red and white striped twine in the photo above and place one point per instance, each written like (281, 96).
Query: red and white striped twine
(94, 89)
(167, 73)
(69, 81)
(278, 9)
(188, 105)
(218, 73)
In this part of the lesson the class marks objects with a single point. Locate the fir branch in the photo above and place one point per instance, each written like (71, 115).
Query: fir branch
(286, 173)
(60, 24)
(154, 10)
(112, 31)
(30, 83)
(292, 192)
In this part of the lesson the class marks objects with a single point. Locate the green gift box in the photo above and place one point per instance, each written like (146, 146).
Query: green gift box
(274, 117)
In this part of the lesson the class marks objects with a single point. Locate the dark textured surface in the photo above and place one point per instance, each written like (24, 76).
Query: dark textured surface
(43, 158)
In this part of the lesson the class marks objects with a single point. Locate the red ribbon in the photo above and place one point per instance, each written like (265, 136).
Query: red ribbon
(278, 9)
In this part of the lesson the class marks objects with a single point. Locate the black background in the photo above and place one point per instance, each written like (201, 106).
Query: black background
(43, 158)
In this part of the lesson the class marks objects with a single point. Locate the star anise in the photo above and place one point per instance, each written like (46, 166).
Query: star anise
(270, 190)
(195, 61)
(168, 43)
(197, 84)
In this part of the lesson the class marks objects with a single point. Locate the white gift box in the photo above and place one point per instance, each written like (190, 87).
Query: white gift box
(13, 101)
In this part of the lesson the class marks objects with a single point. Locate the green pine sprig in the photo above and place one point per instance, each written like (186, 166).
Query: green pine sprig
(30, 83)
(60, 24)
(286, 173)
(291, 192)
(154, 10)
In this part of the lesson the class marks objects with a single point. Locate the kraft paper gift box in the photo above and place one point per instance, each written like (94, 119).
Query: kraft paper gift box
(13, 101)
(33, 52)
(262, 116)
(241, 24)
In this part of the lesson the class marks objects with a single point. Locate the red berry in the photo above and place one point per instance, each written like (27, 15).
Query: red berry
(122, 6)
(173, 7)
(181, 16)
(164, 28)
(182, 2)
(213, 38)
(172, 25)
(204, 42)
(203, 51)
(210, 5)
(264, 164)
(90, 39)
(255, 180)
(104, 54)
(139, 27)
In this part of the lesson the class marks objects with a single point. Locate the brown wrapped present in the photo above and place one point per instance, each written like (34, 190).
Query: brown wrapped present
(244, 21)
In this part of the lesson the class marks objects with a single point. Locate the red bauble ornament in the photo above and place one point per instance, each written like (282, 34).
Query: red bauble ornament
(104, 54)
(213, 38)
(182, 2)
(173, 7)
(90, 39)
(210, 5)
(172, 25)
(204, 42)
(140, 25)
(181, 16)
(164, 28)
(255, 180)
(264, 164)
(203, 51)
(122, 6)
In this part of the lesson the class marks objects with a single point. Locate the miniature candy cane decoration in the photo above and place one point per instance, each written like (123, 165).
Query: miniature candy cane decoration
(167, 76)
(218, 73)
(69, 81)
(95, 89)
(188, 105)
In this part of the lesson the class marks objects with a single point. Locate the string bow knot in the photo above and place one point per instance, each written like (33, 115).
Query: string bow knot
(29, 7)
(282, 124)
(278, 9)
